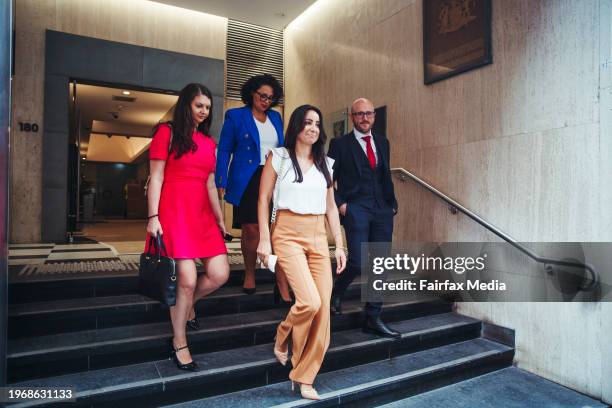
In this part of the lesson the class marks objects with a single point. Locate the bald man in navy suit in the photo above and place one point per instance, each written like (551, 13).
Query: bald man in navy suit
(366, 200)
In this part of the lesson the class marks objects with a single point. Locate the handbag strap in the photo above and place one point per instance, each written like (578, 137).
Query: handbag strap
(276, 195)
(157, 243)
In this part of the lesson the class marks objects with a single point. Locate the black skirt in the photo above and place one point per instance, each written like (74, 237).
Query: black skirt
(246, 212)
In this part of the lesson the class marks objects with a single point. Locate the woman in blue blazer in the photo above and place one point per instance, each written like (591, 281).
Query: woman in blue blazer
(247, 136)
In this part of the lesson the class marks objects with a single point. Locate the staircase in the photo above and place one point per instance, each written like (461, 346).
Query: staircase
(99, 337)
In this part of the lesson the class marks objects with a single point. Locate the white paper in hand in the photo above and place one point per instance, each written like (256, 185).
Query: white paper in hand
(272, 262)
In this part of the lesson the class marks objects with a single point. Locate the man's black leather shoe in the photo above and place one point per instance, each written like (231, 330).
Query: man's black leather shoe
(375, 325)
(336, 305)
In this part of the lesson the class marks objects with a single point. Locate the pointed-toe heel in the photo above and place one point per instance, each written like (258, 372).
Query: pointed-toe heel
(281, 356)
(190, 366)
(278, 298)
(307, 391)
(193, 324)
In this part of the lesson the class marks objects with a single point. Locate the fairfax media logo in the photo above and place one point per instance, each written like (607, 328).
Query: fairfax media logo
(438, 286)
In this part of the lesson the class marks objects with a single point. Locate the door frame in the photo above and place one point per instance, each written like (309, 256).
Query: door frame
(6, 58)
(69, 56)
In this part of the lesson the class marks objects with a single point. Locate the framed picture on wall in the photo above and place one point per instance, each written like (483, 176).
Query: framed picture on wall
(456, 37)
(339, 128)
(380, 123)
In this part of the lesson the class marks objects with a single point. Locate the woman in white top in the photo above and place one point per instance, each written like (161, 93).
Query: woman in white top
(304, 198)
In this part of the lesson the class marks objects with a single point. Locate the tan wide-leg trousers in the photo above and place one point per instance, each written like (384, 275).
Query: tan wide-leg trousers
(300, 242)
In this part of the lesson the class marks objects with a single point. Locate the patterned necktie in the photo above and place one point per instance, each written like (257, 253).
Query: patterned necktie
(370, 151)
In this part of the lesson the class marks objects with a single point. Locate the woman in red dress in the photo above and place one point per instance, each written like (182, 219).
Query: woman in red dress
(184, 208)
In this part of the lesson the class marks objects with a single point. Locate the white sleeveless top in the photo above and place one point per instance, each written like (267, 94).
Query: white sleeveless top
(307, 197)
(268, 138)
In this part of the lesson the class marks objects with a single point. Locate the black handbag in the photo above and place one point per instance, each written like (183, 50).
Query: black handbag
(157, 273)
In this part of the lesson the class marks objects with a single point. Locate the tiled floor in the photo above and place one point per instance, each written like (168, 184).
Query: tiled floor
(108, 248)
(116, 230)
(507, 388)
(55, 261)
(96, 261)
(49, 253)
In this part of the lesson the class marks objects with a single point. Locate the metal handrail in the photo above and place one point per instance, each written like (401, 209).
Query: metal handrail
(404, 174)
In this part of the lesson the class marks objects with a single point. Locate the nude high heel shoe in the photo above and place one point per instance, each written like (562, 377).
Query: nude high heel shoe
(281, 356)
(307, 391)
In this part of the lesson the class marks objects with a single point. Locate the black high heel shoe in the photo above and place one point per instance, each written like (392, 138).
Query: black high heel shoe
(249, 291)
(190, 366)
(278, 299)
(194, 324)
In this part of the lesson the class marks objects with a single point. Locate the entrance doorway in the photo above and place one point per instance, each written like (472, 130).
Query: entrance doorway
(111, 129)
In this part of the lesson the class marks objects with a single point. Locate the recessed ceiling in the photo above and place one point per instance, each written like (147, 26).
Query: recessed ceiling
(116, 149)
(111, 115)
(268, 13)
(105, 104)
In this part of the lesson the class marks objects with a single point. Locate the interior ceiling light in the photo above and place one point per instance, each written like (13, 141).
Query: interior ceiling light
(126, 92)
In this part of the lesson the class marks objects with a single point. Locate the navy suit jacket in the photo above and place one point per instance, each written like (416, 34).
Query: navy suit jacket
(239, 141)
(346, 152)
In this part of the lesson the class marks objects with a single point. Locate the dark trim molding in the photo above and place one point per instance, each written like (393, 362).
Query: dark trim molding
(69, 56)
(6, 54)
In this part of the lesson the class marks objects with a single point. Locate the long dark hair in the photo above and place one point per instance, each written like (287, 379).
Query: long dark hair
(183, 123)
(296, 125)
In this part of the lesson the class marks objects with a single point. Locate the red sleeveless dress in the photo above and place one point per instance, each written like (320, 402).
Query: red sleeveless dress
(188, 223)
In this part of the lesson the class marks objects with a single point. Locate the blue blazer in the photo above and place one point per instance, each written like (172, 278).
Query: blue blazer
(240, 140)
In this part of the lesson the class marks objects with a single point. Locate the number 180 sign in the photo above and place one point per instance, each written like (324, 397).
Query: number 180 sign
(28, 127)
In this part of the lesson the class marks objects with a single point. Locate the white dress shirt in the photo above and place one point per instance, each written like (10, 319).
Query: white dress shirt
(363, 144)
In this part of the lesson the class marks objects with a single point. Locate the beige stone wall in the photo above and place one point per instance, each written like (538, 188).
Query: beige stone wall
(519, 142)
(137, 22)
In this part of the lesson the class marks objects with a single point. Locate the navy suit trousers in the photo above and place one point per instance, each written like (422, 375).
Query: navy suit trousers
(363, 222)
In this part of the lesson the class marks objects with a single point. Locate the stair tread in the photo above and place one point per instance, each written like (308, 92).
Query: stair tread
(506, 388)
(108, 276)
(116, 301)
(161, 372)
(334, 384)
(54, 306)
(40, 345)
(49, 288)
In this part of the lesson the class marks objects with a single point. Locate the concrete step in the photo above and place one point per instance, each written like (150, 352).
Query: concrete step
(159, 382)
(369, 384)
(56, 354)
(99, 312)
(99, 286)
